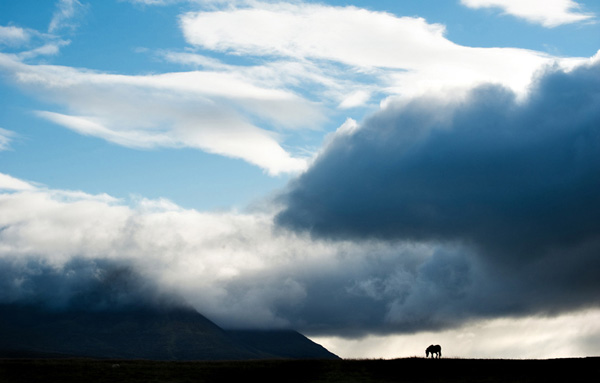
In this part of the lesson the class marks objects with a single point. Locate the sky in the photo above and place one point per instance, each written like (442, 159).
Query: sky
(378, 175)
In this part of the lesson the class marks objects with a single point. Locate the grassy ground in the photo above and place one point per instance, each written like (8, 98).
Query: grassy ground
(397, 370)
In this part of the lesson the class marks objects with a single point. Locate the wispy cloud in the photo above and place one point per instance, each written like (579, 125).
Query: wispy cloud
(6, 137)
(315, 61)
(50, 48)
(407, 55)
(211, 111)
(550, 14)
(30, 43)
(13, 36)
(65, 15)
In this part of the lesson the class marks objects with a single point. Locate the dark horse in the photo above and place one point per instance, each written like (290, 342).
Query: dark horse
(434, 350)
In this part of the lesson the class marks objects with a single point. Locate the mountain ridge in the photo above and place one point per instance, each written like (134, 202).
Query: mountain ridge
(141, 333)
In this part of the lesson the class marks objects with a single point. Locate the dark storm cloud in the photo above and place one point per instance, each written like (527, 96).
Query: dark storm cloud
(519, 178)
(408, 293)
(508, 190)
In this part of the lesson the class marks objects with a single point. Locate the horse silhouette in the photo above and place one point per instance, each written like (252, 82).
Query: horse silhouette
(434, 350)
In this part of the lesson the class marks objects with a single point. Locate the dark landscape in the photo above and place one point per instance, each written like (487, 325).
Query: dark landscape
(288, 370)
(178, 344)
(141, 332)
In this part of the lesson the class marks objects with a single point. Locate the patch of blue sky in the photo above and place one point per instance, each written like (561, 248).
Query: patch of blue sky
(62, 159)
(120, 37)
(27, 13)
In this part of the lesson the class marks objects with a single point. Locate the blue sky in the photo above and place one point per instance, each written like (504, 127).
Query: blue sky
(222, 141)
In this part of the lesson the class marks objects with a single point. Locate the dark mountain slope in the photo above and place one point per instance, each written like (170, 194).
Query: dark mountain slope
(141, 333)
(282, 343)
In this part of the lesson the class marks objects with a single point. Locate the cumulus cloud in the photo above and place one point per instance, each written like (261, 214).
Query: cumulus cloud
(238, 269)
(62, 249)
(69, 249)
(510, 184)
(552, 14)
(433, 168)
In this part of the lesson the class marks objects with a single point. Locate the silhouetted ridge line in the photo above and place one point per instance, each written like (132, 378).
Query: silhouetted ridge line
(140, 333)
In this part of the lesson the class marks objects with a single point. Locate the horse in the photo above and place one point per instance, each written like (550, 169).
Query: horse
(434, 350)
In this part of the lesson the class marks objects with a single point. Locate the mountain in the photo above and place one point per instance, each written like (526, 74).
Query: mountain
(141, 333)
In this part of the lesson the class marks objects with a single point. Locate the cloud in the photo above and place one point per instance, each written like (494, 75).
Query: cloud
(238, 269)
(329, 84)
(298, 79)
(6, 137)
(506, 187)
(71, 249)
(50, 48)
(208, 110)
(406, 55)
(433, 168)
(18, 38)
(66, 12)
(13, 36)
(80, 284)
(552, 14)
(8, 182)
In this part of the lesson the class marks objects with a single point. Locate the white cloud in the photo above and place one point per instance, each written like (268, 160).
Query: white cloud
(50, 48)
(66, 11)
(8, 183)
(549, 13)
(16, 37)
(356, 98)
(407, 55)
(329, 84)
(13, 36)
(131, 138)
(153, 2)
(206, 257)
(209, 110)
(350, 35)
(6, 137)
(169, 2)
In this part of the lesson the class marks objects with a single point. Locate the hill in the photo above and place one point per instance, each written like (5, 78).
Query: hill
(140, 333)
